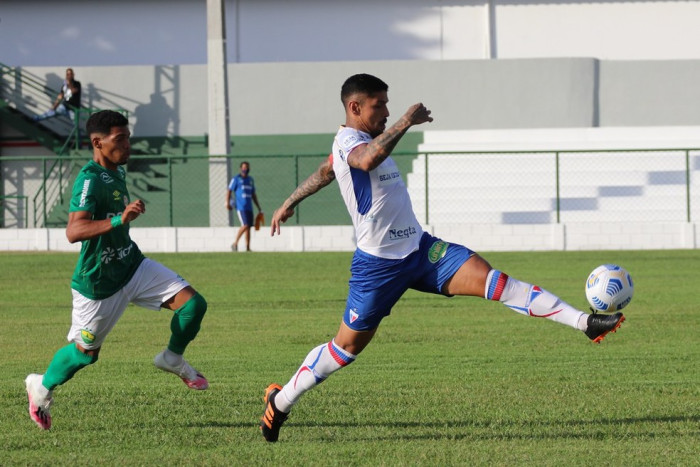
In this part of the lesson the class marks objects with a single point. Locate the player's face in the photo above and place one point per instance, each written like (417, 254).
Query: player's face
(114, 148)
(374, 113)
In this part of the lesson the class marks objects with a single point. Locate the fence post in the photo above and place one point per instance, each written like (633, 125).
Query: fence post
(296, 178)
(427, 200)
(556, 158)
(60, 181)
(687, 183)
(170, 188)
(43, 194)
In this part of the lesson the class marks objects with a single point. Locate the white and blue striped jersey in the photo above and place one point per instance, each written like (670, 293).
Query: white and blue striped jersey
(378, 201)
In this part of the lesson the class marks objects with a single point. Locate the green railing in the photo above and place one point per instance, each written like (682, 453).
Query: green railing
(506, 187)
(54, 180)
(20, 211)
(24, 87)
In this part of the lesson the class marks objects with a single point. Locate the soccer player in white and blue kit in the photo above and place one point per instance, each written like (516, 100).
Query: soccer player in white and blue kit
(393, 253)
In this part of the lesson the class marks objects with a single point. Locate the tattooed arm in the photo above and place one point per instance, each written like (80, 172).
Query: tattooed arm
(317, 180)
(369, 156)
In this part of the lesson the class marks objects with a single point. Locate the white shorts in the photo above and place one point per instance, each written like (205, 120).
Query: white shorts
(152, 285)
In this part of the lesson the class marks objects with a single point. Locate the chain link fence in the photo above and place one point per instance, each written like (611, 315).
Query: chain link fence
(446, 188)
(557, 187)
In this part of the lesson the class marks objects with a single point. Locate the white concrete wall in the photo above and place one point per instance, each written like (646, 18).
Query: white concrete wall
(303, 97)
(479, 237)
(151, 32)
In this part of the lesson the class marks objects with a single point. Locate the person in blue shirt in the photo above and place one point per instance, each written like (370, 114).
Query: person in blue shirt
(243, 186)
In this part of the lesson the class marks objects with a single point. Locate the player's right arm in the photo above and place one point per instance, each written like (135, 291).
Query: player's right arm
(81, 226)
(369, 156)
(323, 176)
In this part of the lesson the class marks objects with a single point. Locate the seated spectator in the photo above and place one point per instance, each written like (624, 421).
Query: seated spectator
(66, 101)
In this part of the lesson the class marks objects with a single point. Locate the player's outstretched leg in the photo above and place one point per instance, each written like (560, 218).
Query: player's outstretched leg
(40, 401)
(272, 418)
(600, 325)
(532, 300)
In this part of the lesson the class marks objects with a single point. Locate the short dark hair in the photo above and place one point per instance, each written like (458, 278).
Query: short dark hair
(361, 84)
(244, 162)
(104, 120)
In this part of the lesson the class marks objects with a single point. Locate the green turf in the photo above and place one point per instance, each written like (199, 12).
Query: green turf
(458, 381)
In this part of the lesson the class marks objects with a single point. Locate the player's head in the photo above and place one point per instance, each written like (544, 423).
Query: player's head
(69, 74)
(361, 84)
(109, 135)
(245, 168)
(365, 100)
(102, 122)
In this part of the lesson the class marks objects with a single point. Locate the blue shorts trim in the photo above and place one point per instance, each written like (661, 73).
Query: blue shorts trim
(377, 283)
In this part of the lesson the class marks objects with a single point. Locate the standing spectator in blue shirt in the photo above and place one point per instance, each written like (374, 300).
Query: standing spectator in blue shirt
(243, 186)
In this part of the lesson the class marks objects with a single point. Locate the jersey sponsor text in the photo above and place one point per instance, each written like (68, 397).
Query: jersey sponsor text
(400, 234)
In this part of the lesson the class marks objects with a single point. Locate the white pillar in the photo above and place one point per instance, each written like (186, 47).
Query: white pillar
(491, 50)
(219, 132)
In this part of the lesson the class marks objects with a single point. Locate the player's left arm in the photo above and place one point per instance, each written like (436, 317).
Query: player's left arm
(322, 177)
(255, 200)
(254, 195)
(81, 226)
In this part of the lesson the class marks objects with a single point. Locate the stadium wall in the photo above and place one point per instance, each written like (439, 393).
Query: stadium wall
(44, 32)
(303, 98)
(484, 237)
(652, 230)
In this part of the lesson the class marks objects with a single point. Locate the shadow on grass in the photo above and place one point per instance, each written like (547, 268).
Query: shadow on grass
(502, 429)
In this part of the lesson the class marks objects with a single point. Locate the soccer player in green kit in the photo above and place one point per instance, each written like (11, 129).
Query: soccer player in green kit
(112, 272)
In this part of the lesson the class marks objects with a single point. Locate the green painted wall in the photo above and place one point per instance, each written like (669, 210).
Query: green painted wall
(172, 177)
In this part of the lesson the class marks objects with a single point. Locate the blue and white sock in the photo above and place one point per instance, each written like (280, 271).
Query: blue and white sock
(318, 365)
(532, 300)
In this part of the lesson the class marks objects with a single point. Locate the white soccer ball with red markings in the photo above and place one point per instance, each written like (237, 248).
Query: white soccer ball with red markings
(609, 288)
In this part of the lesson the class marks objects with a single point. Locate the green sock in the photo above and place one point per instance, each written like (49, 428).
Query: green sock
(66, 362)
(186, 323)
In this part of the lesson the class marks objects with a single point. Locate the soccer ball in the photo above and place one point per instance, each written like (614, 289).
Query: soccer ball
(609, 288)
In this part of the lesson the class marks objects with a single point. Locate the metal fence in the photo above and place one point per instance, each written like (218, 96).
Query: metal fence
(543, 187)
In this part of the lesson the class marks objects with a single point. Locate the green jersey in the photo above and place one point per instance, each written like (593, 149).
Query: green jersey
(106, 262)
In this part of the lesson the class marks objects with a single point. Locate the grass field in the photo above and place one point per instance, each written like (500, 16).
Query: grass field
(458, 381)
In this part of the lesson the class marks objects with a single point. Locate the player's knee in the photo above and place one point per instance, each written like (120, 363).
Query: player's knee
(192, 313)
(87, 356)
(200, 304)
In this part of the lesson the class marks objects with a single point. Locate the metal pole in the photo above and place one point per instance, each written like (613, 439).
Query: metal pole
(427, 199)
(490, 49)
(60, 181)
(687, 182)
(556, 158)
(296, 178)
(44, 193)
(170, 188)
